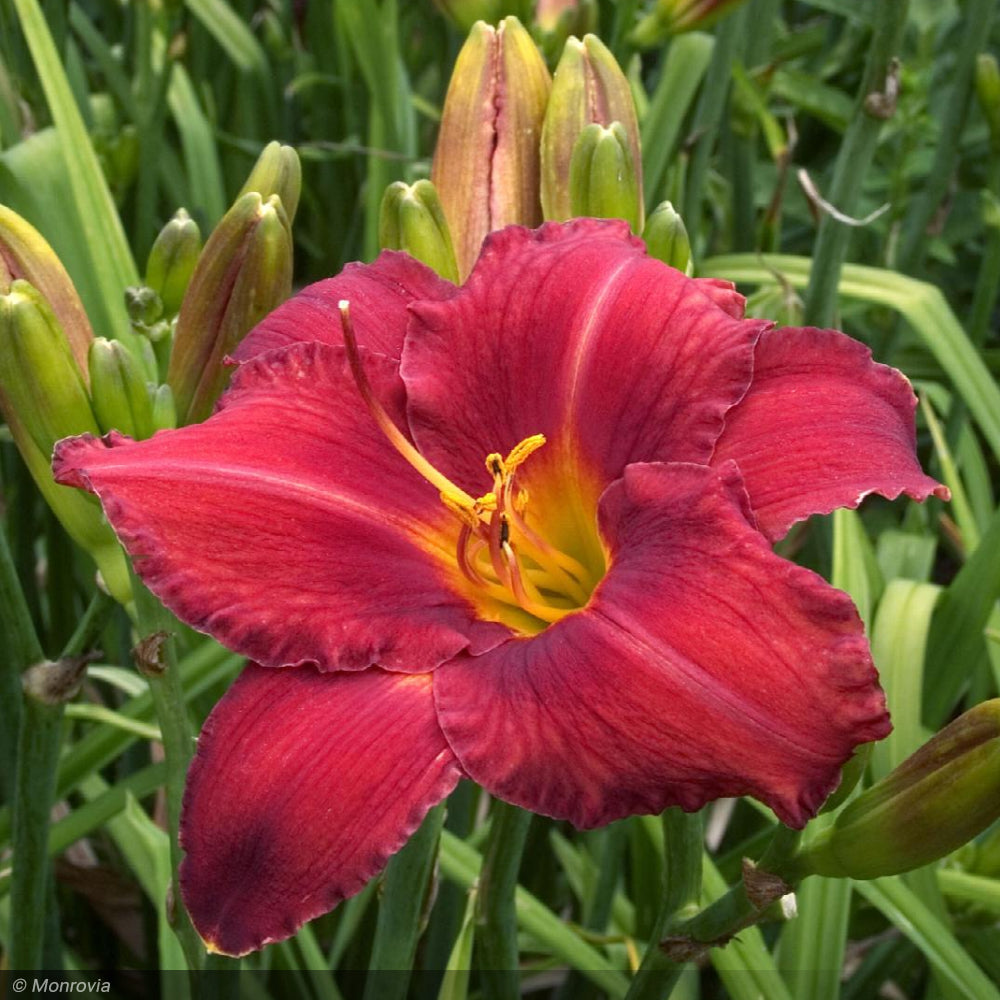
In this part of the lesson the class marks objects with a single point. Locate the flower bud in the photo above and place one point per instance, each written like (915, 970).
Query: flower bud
(172, 260)
(667, 238)
(143, 305)
(25, 254)
(486, 163)
(936, 800)
(164, 410)
(588, 87)
(573, 17)
(119, 390)
(412, 220)
(243, 273)
(672, 17)
(43, 397)
(602, 176)
(277, 171)
(41, 386)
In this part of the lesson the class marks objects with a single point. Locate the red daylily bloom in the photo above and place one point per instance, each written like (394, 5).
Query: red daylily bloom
(538, 555)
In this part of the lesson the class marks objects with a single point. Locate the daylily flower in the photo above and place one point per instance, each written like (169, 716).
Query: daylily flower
(518, 530)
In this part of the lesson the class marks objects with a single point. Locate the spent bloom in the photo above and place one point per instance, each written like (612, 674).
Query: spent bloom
(518, 530)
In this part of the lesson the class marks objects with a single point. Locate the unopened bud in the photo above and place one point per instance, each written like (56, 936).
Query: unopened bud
(666, 237)
(602, 176)
(43, 397)
(589, 87)
(672, 17)
(277, 171)
(143, 305)
(244, 272)
(172, 260)
(25, 255)
(778, 301)
(42, 389)
(937, 799)
(164, 410)
(412, 220)
(119, 390)
(486, 163)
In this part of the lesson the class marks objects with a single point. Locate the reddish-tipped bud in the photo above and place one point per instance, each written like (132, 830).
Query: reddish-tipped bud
(589, 87)
(243, 273)
(936, 800)
(672, 17)
(486, 164)
(25, 255)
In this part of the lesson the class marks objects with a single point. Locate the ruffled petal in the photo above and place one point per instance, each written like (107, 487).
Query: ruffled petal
(704, 666)
(379, 294)
(822, 427)
(286, 525)
(571, 331)
(302, 787)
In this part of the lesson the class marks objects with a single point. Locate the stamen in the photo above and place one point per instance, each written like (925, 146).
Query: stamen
(546, 612)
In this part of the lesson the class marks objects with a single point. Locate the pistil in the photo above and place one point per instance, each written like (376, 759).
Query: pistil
(496, 550)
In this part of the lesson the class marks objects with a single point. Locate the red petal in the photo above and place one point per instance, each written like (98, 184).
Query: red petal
(379, 294)
(822, 427)
(704, 666)
(286, 526)
(303, 785)
(572, 332)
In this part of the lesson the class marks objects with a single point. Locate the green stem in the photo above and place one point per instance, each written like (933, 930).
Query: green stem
(706, 123)
(35, 787)
(683, 845)
(856, 153)
(19, 649)
(402, 909)
(735, 910)
(496, 914)
(156, 626)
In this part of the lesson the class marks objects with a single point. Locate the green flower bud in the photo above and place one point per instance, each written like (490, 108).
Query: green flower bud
(778, 301)
(43, 397)
(172, 260)
(602, 176)
(119, 390)
(486, 163)
(41, 385)
(666, 237)
(671, 17)
(277, 171)
(589, 87)
(244, 272)
(164, 410)
(988, 92)
(143, 305)
(25, 254)
(937, 799)
(411, 219)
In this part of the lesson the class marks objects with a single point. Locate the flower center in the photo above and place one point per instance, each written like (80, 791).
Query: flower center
(516, 575)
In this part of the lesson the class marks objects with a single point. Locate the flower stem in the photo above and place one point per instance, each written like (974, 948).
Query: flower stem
(35, 785)
(20, 649)
(156, 658)
(496, 913)
(402, 910)
(856, 153)
(682, 848)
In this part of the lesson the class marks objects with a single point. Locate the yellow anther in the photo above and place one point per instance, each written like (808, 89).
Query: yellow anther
(495, 465)
(521, 451)
(521, 501)
(486, 503)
